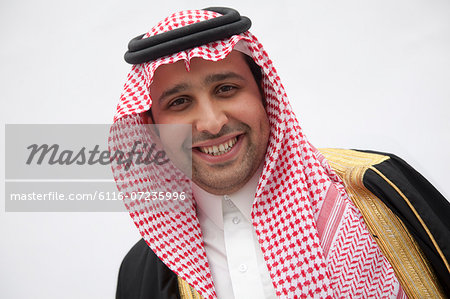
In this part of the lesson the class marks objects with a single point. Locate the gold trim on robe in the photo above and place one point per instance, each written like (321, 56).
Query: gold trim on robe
(186, 291)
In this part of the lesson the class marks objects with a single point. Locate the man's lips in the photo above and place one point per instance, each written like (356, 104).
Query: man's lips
(215, 141)
(217, 147)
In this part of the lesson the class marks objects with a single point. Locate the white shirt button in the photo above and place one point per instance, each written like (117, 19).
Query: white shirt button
(236, 220)
(243, 268)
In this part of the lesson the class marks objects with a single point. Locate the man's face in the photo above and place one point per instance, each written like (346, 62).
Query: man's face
(230, 128)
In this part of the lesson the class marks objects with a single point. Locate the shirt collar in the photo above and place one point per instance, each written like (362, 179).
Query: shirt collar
(211, 205)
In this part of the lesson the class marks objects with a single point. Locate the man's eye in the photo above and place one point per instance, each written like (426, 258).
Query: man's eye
(225, 89)
(177, 103)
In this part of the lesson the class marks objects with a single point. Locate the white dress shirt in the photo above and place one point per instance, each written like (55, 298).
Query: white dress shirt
(235, 258)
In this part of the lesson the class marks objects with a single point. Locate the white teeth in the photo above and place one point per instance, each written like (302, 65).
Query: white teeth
(220, 149)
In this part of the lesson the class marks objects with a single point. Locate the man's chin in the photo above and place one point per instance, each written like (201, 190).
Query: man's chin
(222, 178)
(218, 187)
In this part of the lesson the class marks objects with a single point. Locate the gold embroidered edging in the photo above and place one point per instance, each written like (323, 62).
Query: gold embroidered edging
(441, 254)
(410, 265)
(186, 291)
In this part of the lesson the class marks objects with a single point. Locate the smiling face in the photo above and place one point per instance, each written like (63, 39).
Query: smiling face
(230, 128)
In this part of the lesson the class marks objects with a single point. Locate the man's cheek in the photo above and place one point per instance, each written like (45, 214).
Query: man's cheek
(177, 143)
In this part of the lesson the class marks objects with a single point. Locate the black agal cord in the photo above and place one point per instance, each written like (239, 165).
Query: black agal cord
(183, 38)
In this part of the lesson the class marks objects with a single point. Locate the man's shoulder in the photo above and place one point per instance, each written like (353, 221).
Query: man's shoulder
(411, 197)
(139, 253)
(143, 275)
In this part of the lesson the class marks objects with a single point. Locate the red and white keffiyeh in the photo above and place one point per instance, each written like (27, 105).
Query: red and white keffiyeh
(306, 256)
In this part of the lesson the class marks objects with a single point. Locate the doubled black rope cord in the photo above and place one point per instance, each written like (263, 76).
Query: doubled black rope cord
(183, 38)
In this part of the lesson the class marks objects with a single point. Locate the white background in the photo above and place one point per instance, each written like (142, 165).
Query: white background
(360, 74)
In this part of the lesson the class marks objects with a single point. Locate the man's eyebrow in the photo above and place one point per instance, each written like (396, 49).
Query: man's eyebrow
(171, 91)
(222, 76)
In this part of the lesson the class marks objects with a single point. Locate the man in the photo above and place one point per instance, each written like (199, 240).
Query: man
(267, 216)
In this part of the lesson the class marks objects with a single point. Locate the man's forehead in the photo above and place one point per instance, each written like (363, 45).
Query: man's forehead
(208, 71)
(234, 57)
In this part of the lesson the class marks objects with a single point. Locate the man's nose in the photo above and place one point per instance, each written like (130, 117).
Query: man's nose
(211, 117)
